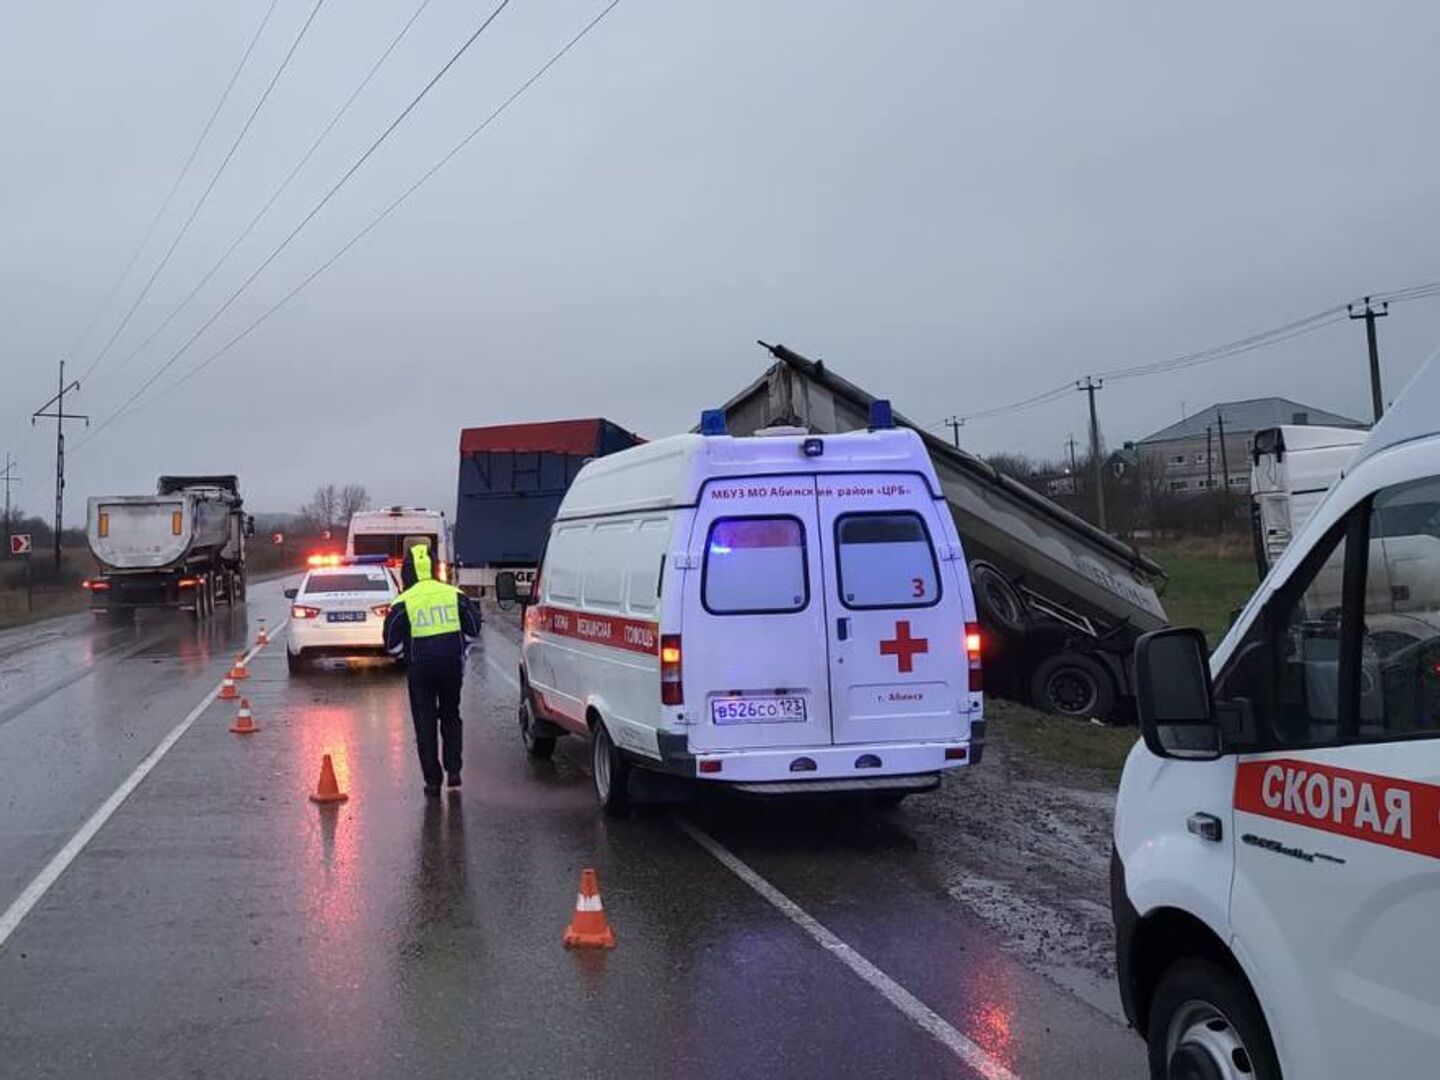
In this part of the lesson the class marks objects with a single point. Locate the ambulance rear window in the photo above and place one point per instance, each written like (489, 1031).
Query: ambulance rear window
(755, 565)
(886, 561)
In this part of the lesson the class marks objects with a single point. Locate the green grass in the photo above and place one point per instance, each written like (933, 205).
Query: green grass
(1204, 589)
(1062, 740)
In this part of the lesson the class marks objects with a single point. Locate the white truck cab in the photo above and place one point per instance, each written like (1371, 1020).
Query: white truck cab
(783, 613)
(1276, 876)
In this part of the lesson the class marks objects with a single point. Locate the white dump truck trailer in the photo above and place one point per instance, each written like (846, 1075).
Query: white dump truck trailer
(1061, 602)
(183, 547)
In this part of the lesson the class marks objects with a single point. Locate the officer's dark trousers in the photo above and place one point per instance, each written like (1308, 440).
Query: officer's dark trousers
(435, 702)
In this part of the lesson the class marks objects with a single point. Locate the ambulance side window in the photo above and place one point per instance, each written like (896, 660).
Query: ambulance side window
(1288, 668)
(562, 563)
(755, 565)
(886, 560)
(1400, 654)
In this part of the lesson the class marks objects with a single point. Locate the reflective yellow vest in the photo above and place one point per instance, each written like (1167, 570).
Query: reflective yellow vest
(432, 607)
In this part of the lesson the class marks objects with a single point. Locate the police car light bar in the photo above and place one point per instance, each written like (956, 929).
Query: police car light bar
(881, 414)
(712, 422)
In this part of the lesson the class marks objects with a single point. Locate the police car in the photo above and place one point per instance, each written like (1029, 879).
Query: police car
(339, 609)
(1276, 874)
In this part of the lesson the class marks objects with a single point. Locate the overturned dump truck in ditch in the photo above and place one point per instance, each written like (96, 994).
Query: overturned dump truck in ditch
(1061, 602)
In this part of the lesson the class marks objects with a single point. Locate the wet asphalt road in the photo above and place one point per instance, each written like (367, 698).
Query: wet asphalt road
(221, 925)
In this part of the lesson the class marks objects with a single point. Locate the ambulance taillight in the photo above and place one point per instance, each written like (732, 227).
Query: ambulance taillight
(671, 690)
(972, 656)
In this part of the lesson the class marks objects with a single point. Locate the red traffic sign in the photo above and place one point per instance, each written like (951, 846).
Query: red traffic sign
(20, 544)
(277, 538)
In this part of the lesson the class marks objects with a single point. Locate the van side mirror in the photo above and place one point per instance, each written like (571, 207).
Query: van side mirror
(1174, 696)
(290, 594)
(505, 590)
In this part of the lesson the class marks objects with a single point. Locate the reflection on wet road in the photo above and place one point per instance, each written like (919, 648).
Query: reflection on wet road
(222, 925)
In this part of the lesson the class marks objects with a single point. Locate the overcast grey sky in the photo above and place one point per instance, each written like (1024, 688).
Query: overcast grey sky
(957, 205)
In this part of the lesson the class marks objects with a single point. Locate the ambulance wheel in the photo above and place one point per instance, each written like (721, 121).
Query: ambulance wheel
(540, 747)
(1072, 684)
(1205, 1023)
(610, 771)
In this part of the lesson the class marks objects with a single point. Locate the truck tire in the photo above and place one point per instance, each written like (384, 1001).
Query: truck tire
(1204, 1021)
(1072, 684)
(610, 773)
(1000, 603)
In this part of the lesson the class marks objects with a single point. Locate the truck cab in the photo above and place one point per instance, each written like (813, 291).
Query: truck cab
(1276, 869)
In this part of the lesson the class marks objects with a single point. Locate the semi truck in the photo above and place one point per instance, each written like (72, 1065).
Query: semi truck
(183, 547)
(1292, 467)
(1061, 602)
(512, 478)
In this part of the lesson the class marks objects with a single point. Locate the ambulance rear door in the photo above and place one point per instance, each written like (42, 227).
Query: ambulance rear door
(753, 638)
(896, 600)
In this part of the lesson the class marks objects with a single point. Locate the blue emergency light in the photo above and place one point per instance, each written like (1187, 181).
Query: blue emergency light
(881, 414)
(367, 560)
(712, 422)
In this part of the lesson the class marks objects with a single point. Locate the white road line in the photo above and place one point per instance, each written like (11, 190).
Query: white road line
(510, 679)
(36, 890)
(929, 1021)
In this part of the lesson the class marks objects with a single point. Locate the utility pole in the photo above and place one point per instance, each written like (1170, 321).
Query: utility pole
(1089, 386)
(1070, 442)
(59, 416)
(1377, 401)
(8, 478)
(955, 423)
(1209, 460)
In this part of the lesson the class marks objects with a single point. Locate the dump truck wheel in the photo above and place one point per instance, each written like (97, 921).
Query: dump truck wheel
(1072, 684)
(999, 601)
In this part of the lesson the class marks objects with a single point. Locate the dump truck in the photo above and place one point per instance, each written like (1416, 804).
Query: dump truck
(512, 478)
(183, 547)
(1061, 602)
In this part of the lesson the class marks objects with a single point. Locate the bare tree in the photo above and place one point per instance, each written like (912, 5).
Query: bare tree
(353, 498)
(320, 512)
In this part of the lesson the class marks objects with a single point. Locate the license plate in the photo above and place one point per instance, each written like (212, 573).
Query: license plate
(345, 616)
(758, 710)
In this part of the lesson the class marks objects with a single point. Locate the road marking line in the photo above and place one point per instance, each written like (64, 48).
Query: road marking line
(36, 890)
(924, 1017)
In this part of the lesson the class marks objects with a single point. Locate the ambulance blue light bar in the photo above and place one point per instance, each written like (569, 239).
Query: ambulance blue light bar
(881, 414)
(712, 422)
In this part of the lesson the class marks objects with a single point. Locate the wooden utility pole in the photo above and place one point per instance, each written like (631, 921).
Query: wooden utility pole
(955, 424)
(8, 478)
(59, 416)
(1377, 400)
(1088, 387)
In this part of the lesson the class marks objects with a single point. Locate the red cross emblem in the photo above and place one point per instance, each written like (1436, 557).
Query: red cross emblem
(903, 647)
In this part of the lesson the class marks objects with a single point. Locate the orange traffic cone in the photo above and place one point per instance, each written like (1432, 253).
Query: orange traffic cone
(244, 721)
(588, 929)
(329, 789)
(227, 689)
(238, 671)
(262, 638)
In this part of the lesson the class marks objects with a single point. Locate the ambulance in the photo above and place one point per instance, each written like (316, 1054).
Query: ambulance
(784, 613)
(1276, 873)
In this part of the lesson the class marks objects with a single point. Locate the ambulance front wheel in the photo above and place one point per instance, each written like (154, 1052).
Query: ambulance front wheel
(610, 771)
(1205, 1022)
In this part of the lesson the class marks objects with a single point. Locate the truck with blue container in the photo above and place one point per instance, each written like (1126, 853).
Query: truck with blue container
(512, 479)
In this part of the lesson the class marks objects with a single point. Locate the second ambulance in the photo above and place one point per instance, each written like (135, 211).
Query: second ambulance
(1276, 878)
(785, 613)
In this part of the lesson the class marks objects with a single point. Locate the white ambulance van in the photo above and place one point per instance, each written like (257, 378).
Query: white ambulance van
(783, 613)
(1276, 877)
(393, 531)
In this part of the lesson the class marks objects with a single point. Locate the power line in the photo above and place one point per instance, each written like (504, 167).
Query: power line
(284, 185)
(170, 195)
(205, 195)
(376, 221)
(304, 221)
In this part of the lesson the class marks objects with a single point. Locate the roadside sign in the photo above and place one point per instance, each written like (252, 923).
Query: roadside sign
(277, 538)
(20, 544)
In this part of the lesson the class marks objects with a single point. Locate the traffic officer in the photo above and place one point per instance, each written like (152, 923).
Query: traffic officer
(429, 626)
